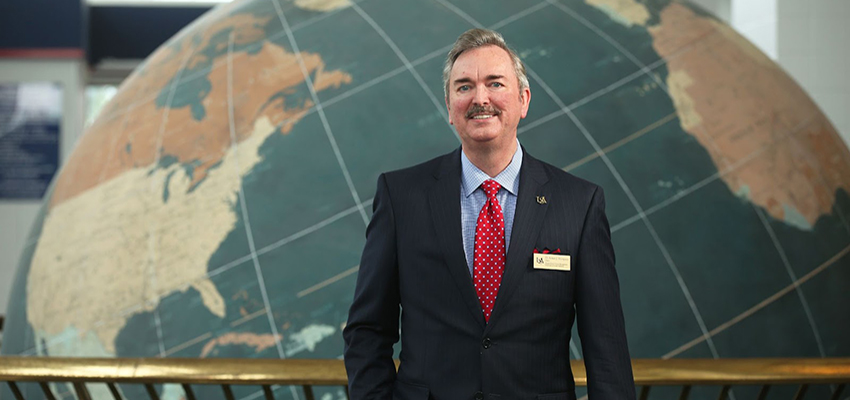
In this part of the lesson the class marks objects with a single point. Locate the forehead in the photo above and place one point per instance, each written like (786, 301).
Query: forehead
(481, 62)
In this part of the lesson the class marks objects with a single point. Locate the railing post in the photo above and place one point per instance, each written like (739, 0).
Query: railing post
(45, 388)
(187, 389)
(837, 393)
(644, 392)
(228, 393)
(16, 391)
(82, 392)
(724, 392)
(267, 391)
(308, 392)
(151, 391)
(801, 392)
(686, 391)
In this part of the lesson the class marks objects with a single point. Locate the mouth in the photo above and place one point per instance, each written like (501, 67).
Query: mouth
(482, 113)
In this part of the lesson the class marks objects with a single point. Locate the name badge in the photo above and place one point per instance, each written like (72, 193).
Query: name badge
(559, 262)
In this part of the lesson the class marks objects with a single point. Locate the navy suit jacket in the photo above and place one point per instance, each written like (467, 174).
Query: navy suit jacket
(413, 265)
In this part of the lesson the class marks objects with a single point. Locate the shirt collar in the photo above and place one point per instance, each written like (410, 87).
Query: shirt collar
(472, 177)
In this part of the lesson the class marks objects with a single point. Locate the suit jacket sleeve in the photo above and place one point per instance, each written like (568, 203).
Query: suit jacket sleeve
(372, 326)
(599, 312)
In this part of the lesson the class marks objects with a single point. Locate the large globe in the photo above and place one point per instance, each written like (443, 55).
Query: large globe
(217, 207)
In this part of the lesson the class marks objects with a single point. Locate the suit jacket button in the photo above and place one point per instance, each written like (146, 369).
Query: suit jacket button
(486, 343)
(479, 396)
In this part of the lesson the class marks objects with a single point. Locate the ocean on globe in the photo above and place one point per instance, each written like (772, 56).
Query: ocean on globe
(217, 206)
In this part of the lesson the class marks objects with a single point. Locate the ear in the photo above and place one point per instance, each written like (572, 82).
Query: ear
(525, 98)
(449, 111)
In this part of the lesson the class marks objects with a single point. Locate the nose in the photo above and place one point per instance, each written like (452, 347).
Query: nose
(481, 97)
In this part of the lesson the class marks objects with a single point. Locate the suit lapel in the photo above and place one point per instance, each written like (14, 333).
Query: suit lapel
(444, 199)
(528, 219)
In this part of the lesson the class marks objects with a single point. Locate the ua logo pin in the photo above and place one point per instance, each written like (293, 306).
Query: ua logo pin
(541, 199)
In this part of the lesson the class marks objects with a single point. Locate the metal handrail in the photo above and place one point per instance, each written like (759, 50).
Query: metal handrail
(307, 373)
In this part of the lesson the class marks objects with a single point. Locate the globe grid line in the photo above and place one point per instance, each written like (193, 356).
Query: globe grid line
(225, 267)
(732, 168)
(407, 65)
(244, 208)
(770, 232)
(764, 303)
(613, 146)
(793, 277)
(153, 302)
(320, 110)
(633, 200)
(220, 62)
(259, 43)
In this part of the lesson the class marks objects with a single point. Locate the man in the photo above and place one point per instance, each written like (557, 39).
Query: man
(491, 255)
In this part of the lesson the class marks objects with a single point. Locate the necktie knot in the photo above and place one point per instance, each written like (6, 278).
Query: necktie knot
(491, 187)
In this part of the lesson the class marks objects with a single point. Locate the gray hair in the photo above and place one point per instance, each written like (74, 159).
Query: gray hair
(475, 38)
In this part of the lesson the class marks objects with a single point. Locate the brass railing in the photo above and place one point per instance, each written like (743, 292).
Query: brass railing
(270, 373)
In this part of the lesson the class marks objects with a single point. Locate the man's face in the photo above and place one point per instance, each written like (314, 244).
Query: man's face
(484, 100)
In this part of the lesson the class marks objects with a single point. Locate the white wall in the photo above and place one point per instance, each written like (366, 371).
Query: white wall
(814, 48)
(16, 217)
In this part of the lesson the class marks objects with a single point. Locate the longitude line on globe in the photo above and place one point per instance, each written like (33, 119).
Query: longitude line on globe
(320, 110)
(234, 144)
(475, 23)
(674, 269)
(225, 267)
(197, 74)
(787, 264)
(663, 86)
(406, 62)
(277, 244)
(152, 249)
(654, 234)
(418, 61)
(752, 310)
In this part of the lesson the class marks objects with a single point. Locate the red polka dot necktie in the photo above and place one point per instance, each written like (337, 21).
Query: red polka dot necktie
(489, 259)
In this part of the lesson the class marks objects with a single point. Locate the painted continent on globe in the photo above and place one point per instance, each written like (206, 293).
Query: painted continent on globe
(217, 206)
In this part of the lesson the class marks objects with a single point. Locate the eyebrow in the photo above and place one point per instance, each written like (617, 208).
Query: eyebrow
(469, 80)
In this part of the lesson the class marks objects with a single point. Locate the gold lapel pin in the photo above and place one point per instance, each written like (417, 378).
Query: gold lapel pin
(541, 199)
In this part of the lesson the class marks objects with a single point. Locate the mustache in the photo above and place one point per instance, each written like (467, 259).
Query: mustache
(477, 109)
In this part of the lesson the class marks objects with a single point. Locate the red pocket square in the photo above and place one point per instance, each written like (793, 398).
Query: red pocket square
(547, 251)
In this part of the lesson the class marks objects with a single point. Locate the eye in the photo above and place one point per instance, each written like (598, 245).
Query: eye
(497, 84)
(463, 88)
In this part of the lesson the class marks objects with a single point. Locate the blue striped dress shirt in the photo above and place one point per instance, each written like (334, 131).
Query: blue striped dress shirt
(472, 199)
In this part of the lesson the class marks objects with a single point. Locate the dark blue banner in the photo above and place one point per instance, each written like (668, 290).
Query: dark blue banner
(30, 120)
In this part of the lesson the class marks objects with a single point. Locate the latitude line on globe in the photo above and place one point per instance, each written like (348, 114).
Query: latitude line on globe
(711, 178)
(247, 222)
(767, 227)
(151, 232)
(318, 105)
(764, 303)
(228, 266)
(674, 269)
(787, 264)
(407, 65)
(253, 46)
(216, 64)
(730, 169)
(643, 68)
(789, 135)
